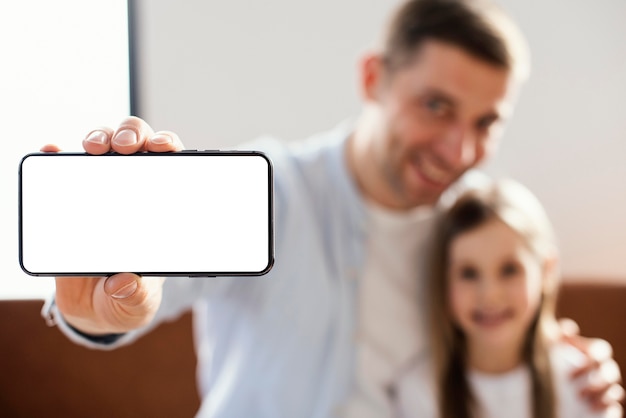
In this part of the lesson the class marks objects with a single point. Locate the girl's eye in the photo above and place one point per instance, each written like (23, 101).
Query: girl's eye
(509, 270)
(468, 273)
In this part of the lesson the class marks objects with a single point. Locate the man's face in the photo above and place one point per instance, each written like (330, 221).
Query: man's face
(434, 119)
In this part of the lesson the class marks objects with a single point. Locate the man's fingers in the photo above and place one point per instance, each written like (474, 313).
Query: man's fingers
(569, 327)
(604, 393)
(119, 303)
(604, 397)
(164, 141)
(50, 148)
(133, 135)
(98, 141)
(599, 354)
(137, 295)
(615, 411)
(587, 368)
(121, 286)
(615, 395)
(131, 301)
(130, 137)
(604, 376)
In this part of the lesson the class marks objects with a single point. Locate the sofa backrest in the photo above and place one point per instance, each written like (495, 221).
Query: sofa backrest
(42, 373)
(599, 309)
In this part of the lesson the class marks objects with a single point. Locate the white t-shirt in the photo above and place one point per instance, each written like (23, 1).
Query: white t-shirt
(390, 332)
(501, 395)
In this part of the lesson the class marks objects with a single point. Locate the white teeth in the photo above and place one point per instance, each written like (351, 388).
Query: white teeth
(433, 172)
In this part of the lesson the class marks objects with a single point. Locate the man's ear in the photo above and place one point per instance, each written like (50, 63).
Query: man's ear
(372, 75)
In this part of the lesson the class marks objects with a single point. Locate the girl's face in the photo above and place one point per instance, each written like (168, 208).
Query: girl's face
(495, 286)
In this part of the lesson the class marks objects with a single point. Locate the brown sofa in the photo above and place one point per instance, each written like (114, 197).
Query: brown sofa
(42, 374)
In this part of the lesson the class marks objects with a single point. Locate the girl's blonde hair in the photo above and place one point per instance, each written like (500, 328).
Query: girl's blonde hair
(513, 204)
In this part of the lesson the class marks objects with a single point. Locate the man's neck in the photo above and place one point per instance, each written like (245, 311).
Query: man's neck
(364, 166)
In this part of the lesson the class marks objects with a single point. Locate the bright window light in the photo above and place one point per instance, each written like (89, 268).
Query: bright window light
(65, 71)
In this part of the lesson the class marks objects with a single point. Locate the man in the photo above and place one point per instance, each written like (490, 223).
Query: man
(331, 328)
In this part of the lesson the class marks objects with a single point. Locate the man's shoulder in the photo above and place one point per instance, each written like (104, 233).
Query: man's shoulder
(313, 144)
(319, 154)
(313, 168)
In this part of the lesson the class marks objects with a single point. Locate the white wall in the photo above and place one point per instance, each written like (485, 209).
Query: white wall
(220, 73)
(64, 71)
(567, 140)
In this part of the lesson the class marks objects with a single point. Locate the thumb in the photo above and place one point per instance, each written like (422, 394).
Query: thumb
(138, 295)
(122, 286)
(131, 301)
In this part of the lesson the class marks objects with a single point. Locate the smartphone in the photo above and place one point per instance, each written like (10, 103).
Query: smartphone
(188, 213)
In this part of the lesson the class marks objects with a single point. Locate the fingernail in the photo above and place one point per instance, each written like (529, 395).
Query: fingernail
(125, 137)
(97, 137)
(126, 291)
(161, 139)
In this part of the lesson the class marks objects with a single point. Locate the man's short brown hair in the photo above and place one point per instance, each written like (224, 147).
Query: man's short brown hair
(478, 27)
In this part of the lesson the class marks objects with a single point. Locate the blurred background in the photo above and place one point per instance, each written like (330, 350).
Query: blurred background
(222, 73)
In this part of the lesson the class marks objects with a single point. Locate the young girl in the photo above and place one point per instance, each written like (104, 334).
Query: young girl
(493, 291)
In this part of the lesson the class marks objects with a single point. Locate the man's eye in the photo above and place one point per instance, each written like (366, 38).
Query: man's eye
(437, 107)
(509, 270)
(468, 273)
(485, 123)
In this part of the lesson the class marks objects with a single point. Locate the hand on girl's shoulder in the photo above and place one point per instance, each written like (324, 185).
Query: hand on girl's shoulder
(565, 359)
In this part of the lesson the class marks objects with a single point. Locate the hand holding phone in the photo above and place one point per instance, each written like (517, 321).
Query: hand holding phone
(123, 301)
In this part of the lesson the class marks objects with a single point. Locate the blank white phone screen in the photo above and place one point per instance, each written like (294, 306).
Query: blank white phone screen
(169, 214)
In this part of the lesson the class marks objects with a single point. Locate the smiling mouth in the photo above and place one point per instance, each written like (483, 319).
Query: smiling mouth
(432, 173)
(491, 318)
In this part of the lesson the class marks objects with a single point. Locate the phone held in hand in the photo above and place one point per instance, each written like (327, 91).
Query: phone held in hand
(188, 213)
